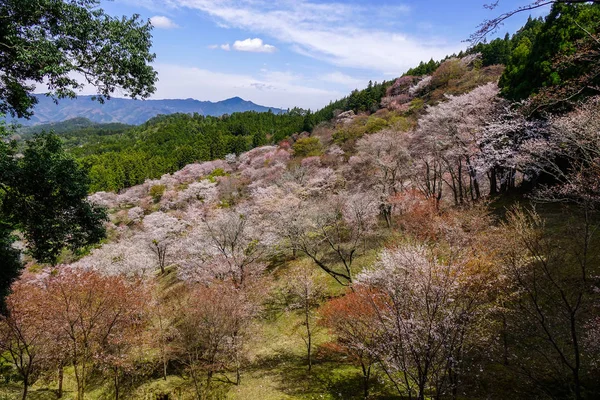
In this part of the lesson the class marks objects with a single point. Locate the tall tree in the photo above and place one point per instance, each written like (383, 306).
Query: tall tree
(51, 41)
(43, 195)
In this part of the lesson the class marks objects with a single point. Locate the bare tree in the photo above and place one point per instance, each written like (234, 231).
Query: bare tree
(553, 282)
(211, 322)
(305, 293)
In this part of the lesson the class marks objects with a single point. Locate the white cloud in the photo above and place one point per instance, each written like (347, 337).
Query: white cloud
(255, 45)
(225, 47)
(213, 46)
(342, 79)
(271, 88)
(162, 22)
(337, 33)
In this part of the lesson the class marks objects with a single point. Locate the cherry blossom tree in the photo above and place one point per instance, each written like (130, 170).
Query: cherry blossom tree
(574, 139)
(387, 153)
(490, 26)
(92, 315)
(552, 279)
(446, 142)
(161, 231)
(224, 245)
(305, 293)
(24, 339)
(423, 316)
(333, 232)
(503, 144)
(211, 323)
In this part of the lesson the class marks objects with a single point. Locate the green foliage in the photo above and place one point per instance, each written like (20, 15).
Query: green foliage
(156, 192)
(10, 264)
(448, 71)
(76, 131)
(416, 105)
(44, 195)
(46, 40)
(306, 147)
(212, 177)
(167, 143)
(497, 52)
(537, 45)
(359, 100)
(424, 68)
(375, 124)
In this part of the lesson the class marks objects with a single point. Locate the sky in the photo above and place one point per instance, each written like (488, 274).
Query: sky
(302, 53)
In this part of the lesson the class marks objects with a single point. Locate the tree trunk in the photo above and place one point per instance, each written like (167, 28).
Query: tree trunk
(460, 183)
(25, 387)
(162, 342)
(61, 374)
(308, 337)
(116, 384)
(493, 182)
(195, 379)
(366, 376)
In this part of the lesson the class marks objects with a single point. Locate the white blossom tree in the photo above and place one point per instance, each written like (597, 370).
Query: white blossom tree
(386, 152)
(423, 317)
(446, 142)
(161, 232)
(331, 232)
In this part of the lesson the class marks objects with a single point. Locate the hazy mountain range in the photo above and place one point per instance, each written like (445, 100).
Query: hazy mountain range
(133, 112)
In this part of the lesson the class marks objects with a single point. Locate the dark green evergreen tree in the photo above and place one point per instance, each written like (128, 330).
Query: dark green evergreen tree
(44, 196)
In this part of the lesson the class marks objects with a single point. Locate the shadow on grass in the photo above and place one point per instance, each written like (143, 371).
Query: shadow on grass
(331, 377)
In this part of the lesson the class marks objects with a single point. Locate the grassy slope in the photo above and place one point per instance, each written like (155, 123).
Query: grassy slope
(277, 366)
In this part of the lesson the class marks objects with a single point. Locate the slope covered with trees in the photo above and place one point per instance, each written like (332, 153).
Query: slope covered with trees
(442, 246)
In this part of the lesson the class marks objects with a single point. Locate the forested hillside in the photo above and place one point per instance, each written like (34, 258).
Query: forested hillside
(431, 237)
(167, 143)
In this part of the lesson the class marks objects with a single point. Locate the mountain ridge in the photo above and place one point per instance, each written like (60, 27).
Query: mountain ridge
(133, 112)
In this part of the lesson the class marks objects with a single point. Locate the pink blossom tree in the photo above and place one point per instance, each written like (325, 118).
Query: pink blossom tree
(387, 154)
(333, 232)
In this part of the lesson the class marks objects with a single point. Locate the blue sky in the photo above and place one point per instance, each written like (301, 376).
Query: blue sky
(303, 52)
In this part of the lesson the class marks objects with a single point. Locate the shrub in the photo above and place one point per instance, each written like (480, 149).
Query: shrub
(307, 147)
(452, 69)
(375, 124)
(212, 177)
(156, 192)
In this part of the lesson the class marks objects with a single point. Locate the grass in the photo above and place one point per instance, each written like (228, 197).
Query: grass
(277, 369)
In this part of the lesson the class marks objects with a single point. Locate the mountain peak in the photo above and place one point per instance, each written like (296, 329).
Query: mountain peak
(134, 112)
(235, 99)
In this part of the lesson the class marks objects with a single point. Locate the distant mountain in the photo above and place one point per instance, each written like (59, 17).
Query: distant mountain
(133, 112)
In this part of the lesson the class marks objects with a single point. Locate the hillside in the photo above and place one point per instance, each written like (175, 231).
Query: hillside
(246, 243)
(133, 112)
(432, 237)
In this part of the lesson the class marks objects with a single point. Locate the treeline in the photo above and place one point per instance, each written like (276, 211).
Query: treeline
(539, 55)
(76, 131)
(551, 52)
(367, 100)
(167, 143)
